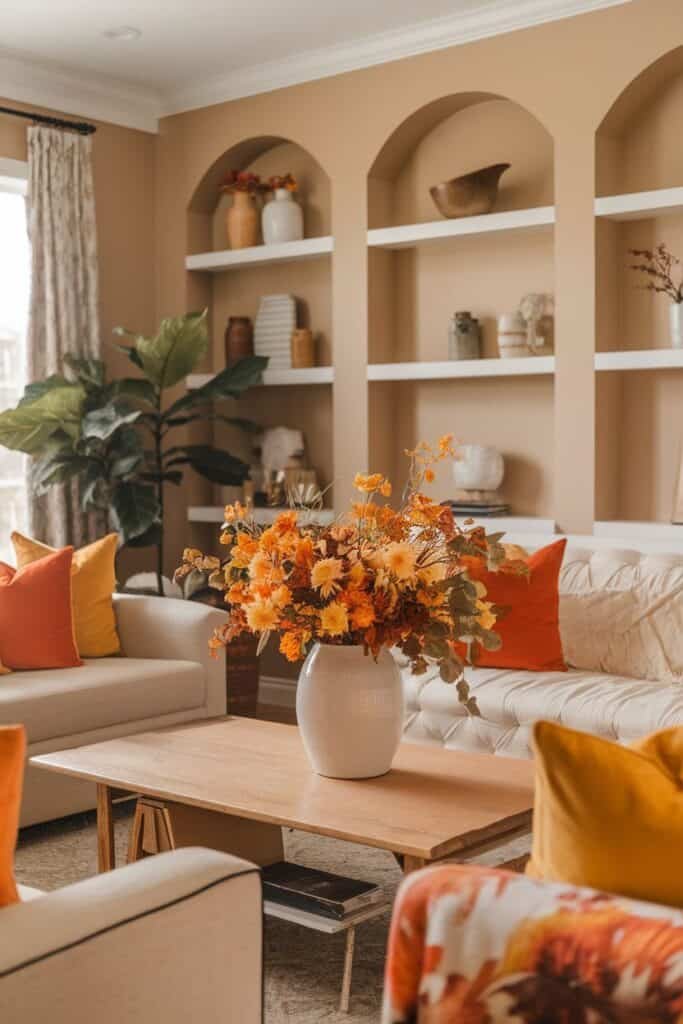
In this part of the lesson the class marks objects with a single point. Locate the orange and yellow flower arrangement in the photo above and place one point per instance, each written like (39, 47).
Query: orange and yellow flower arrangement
(376, 578)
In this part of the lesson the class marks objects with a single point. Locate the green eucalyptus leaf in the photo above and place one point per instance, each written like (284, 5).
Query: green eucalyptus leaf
(175, 351)
(103, 423)
(30, 426)
(134, 509)
(229, 383)
(220, 467)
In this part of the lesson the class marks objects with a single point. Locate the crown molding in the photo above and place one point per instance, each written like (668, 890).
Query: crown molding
(134, 106)
(490, 19)
(79, 95)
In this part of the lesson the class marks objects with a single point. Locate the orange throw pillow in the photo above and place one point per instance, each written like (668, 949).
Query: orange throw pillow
(530, 630)
(36, 621)
(12, 753)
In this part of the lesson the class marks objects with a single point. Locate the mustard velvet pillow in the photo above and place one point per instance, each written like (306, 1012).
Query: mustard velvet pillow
(607, 816)
(93, 583)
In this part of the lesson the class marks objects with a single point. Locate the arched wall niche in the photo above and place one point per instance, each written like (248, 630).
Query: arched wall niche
(413, 292)
(638, 422)
(237, 292)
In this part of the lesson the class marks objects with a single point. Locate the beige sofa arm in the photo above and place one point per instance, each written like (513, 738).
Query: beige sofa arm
(166, 627)
(174, 938)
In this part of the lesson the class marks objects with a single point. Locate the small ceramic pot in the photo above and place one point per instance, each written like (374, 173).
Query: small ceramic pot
(478, 468)
(282, 219)
(350, 711)
(303, 348)
(239, 339)
(243, 221)
(464, 337)
(469, 195)
(676, 324)
(513, 338)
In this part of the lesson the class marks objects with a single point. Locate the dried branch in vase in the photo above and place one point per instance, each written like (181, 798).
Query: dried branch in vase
(659, 266)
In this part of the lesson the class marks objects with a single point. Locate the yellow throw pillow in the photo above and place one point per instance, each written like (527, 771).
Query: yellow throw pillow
(94, 581)
(607, 816)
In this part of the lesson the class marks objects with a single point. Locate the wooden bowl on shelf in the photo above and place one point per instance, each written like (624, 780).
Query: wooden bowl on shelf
(470, 194)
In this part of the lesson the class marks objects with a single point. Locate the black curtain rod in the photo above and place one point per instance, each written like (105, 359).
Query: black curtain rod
(81, 127)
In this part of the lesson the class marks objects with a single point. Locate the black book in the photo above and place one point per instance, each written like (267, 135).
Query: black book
(318, 892)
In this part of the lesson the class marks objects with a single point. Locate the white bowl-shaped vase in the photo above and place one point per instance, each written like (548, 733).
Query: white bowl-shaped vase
(350, 711)
(282, 219)
(478, 468)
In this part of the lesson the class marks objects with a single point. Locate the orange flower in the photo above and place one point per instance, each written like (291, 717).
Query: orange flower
(368, 482)
(429, 476)
(363, 615)
(303, 553)
(399, 559)
(285, 523)
(281, 596)
(261, 616)
(385, 488)
(238, 594)
(291, 646)
(260, 566)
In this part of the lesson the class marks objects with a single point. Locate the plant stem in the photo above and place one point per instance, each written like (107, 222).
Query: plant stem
(159, 467)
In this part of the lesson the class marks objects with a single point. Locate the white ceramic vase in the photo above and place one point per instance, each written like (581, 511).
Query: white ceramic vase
(676, 324)
(282, 219)
(513, 341)
(478, 468)
(350, 711)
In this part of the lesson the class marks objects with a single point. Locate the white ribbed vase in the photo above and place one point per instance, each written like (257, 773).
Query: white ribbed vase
(350, 711)
(676, 324)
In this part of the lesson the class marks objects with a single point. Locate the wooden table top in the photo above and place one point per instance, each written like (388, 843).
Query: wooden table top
(433, 802)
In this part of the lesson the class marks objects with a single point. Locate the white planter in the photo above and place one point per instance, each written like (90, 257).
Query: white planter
(350, 711)
(282, 219)
(676, 324)
(513, 341)
(478, 468)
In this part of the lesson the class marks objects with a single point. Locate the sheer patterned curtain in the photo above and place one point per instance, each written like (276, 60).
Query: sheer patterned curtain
(64, 312)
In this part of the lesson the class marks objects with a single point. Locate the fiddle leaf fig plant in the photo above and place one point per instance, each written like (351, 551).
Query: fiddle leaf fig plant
(114, 437)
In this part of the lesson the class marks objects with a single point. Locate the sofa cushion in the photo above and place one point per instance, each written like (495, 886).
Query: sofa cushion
(622, 612)
(510, 701)
(99, 694)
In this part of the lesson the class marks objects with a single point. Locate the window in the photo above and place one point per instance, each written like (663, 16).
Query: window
(14, 293)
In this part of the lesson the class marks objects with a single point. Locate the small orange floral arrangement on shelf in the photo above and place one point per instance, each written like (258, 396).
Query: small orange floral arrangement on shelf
(286, 181)
(377, 577)
(242, 181)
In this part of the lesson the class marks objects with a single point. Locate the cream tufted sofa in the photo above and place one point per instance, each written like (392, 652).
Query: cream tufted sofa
(621, 621)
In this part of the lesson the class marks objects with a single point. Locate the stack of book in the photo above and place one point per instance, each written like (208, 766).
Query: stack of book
(317, 892)
(478, 508)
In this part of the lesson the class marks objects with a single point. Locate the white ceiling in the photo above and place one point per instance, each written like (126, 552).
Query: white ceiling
(193, 52)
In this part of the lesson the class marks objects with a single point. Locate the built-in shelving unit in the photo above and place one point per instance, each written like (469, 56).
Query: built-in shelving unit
(456, 369)
(408, 235)
(644, 359)
(276, 378)
(263, 516)
(260, 255)
(637, 205)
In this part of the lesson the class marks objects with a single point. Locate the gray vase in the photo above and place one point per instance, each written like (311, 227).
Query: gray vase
(464, 337)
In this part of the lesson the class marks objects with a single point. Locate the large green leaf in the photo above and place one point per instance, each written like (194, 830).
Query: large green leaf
(90, 372)
(31, 425)
(218, 466)
(128, 350)
(175, 351)
(135, 388)
(150, 538)
(103, 423)
(41, 387)
(229, 383)
(57, 469)
(134, 509)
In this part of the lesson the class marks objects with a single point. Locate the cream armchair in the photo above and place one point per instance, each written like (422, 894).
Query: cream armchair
(176, 938)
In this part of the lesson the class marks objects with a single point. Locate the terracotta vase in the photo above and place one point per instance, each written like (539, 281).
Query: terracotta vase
(239, 339)
(243, 221)
(350, 711)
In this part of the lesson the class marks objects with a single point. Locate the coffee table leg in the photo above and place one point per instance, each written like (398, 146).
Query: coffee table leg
(348, 969)
(105, 830)
(413, 864)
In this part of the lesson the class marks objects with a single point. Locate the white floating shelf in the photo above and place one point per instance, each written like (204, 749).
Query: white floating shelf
(531, 366)
(275, 378)
(258, 255)
(408, 235)
(645, 359)
(263, 516)
(638, 205)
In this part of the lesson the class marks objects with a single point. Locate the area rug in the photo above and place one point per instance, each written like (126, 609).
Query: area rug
(303, 968)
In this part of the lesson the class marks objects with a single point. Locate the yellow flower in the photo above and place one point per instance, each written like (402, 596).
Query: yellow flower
(357, 575)
(368, 482)
(385, 489)
(290, 646)
(190, 554)
(325, 574)
(432, 573)
(333, 619)
(446, 445)
(261, 615)
(234, 512)
(282, 596)
(399, 559)
(260, 566)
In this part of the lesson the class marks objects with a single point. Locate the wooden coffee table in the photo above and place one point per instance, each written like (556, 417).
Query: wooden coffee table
(234, 783)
